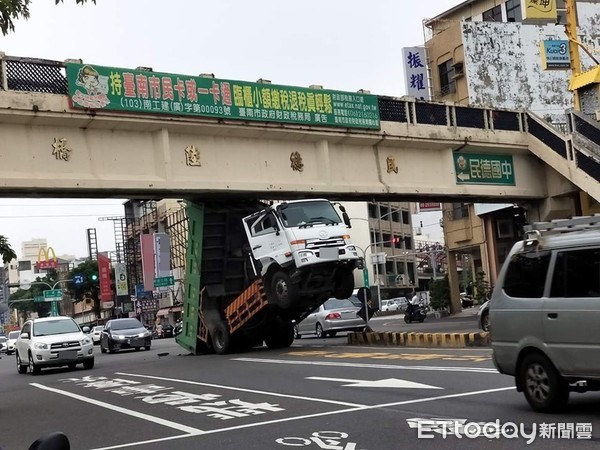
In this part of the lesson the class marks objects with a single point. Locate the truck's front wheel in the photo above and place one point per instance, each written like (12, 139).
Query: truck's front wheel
(344, 284)
(283, 290)
(221, 339)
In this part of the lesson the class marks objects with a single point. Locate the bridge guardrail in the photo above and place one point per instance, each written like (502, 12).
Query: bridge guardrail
(47, 76)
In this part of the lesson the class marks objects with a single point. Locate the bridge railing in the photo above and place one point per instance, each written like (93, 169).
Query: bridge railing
(570, 147)
(41, 75)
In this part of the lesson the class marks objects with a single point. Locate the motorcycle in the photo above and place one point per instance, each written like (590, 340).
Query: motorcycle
(416, 313)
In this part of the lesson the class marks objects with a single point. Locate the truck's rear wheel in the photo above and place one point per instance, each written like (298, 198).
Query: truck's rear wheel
(283, 290)
(281, 335)
(221, 339)
(344, 284)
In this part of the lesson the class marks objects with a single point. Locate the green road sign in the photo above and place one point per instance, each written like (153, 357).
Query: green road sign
(164, 281)
(474, 168)
(51, 295)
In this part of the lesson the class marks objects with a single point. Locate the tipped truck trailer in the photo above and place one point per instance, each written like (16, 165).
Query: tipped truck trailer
(253, 269)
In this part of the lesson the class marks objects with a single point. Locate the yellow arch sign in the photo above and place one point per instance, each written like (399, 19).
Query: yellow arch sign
(44, 261)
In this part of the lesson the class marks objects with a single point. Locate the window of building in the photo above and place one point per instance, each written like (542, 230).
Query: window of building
(396, 216)
(446, 72)
(513, 11)
(24, 265)
(493, 15)
(526, 274)
(577, 274)
(460, 211)
(372, 210)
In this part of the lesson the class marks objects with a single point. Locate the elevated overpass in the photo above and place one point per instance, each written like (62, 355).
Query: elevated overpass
(418, 150)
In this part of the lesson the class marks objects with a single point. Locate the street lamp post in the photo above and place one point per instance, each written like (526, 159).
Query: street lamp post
(54, 307)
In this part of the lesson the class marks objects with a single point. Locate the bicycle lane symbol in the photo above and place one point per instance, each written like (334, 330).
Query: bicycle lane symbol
(329, 440)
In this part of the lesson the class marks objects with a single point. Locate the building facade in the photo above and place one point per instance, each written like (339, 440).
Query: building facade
(490, 53)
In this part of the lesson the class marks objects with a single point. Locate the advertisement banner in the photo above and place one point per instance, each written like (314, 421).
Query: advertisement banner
(415, 72)
(106, 294)
(117, 89)
(147, 244)
(121, 279)
(432, 206)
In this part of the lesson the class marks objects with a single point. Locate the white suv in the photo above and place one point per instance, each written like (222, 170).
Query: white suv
(545, 311)
(53, 342)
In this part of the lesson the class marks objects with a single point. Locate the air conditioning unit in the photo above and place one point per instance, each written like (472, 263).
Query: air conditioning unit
(598, 115)
(459, 70)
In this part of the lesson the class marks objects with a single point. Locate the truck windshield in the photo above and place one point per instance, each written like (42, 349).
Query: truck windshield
(304, 214)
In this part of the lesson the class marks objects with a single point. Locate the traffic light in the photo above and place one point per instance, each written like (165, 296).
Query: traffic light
(395, 240)
(94, 277)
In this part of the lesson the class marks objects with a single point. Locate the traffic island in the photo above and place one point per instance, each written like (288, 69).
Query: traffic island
(388, 339)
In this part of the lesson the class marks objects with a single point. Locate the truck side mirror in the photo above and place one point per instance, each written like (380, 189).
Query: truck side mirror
(346, 219)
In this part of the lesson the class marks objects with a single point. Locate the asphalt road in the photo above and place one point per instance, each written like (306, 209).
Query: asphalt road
(320, 394)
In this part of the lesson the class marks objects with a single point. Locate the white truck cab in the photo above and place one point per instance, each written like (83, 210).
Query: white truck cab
(304, 249)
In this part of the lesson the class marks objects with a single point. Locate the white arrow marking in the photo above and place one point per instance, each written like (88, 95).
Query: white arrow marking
(463, 176)
(386, 383)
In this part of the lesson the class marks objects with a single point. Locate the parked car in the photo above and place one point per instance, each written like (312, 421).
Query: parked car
(545, 311)
(10, 343)
(331, 317)
(388, 305)
(483, 316)
(119, 334)
(95, 333)
(401, 303)
(3, 344)
(53, 342)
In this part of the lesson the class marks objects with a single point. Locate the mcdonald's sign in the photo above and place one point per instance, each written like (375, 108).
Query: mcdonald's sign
(44, 260)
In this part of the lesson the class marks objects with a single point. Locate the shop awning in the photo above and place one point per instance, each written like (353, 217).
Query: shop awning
(164, 312)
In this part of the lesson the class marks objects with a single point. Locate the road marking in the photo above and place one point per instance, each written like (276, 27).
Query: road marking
(369, 366)
(392, 356)
(328, 413)
(252, 391)
(139, 415)
(386, 383)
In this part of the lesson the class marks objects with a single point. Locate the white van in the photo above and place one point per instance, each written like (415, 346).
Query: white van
(545, 311)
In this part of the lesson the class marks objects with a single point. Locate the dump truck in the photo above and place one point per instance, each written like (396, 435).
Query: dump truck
(254, 269)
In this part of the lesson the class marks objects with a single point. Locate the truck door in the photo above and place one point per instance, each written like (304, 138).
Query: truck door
(266, 238)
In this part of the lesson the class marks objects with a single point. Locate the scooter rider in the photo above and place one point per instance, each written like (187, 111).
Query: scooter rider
(413, 304)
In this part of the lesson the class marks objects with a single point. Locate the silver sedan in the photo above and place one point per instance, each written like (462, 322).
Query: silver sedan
(332, 316)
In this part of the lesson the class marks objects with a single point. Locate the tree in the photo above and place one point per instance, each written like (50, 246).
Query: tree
(27, 295)
(482, 288)
(88, 289)
(439, 291)
(15, 9)
(6, 251)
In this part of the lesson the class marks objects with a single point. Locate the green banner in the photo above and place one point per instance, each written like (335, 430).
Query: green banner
(98, 87)
(473, 168)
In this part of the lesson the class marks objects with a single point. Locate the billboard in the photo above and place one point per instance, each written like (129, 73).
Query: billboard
(555, 54)
(147, 248)
(117, 89)
(106, 294)
(415, 72)
(539, 9)
(121, 279)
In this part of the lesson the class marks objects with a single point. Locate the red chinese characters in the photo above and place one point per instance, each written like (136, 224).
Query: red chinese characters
(129, 85)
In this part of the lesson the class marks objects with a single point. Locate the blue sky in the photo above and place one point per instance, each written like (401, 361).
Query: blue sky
(340, 44)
